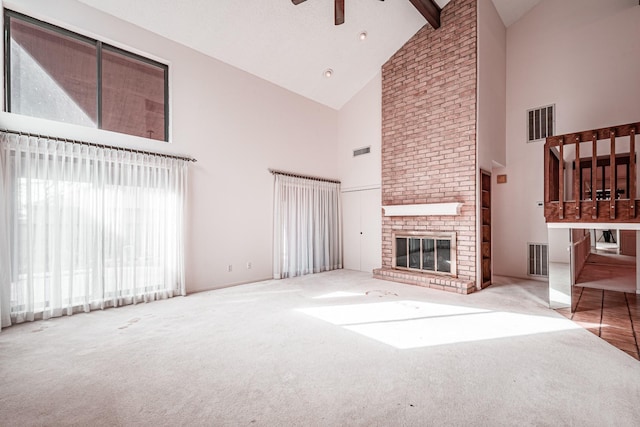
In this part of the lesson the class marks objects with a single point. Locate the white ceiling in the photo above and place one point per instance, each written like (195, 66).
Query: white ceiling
(512, 10)
(290, 45)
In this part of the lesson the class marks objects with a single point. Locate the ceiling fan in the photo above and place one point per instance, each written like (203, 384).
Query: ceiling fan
(427, 8)
(338, 10)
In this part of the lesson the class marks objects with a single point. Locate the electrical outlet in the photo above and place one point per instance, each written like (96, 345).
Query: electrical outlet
(230, 268)
(249, 265)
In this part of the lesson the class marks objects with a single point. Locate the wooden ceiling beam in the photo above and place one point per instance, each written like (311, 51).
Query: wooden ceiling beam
(429, 10)
(339, 12)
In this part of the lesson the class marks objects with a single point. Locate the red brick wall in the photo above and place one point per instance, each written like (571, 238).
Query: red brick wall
(429, 130)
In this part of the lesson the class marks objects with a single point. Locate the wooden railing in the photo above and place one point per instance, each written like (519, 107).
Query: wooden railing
(581, 240)
(597, 187)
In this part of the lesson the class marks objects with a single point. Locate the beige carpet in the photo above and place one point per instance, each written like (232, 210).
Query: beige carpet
(331, 349)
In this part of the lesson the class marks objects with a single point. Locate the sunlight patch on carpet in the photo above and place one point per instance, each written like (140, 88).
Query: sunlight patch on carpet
(414, 324)
(339, 295)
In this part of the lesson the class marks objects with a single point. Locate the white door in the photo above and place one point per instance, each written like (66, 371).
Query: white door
(362, 230)
(371, 230)
(351, 230)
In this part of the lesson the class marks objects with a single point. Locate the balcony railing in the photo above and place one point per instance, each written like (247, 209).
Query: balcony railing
(591, 176)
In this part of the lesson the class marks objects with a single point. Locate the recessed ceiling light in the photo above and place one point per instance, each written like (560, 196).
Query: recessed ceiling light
(363, 35)
(327, 73)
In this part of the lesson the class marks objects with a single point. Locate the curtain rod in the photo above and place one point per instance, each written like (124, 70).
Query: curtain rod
(94, 144)
(297, 175)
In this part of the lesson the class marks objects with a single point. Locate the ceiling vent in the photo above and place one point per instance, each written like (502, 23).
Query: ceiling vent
(361, 151)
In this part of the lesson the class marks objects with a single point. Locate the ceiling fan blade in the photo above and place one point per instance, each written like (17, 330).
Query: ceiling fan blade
(339, 12)
(297, 1)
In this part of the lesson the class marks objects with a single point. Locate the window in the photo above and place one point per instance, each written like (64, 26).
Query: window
(88, 227)
(307, 225)
(540, 123)
(55, 74)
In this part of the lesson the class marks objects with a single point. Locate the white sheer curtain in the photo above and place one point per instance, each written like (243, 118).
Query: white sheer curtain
(84, 228)
(307, 226)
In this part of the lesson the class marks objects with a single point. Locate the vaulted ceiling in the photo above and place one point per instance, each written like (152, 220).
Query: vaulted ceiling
(292, 45)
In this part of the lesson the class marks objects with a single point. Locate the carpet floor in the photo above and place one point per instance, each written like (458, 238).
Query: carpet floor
(330, 349)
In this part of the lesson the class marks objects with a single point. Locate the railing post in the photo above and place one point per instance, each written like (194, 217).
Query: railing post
(561, 180)
(576, 178)
(613, 184)
(632, 173)
(547, 173)
(594, 176)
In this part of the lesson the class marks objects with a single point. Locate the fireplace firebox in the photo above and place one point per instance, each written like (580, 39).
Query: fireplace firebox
(426, 252)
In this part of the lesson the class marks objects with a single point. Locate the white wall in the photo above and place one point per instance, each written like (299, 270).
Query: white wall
(492, 88)
(235, 124)
(360, 125)
(491, 104)
(559, 245)
(582, 56)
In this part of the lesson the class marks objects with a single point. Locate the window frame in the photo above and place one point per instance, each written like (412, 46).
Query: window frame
(9, 14)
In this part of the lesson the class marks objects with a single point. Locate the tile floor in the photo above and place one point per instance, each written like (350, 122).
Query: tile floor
(605, 302)
(613, 316)
(609, 271)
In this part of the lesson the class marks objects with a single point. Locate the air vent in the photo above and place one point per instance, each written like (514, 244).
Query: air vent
(361, 151)
(538, 260)
(540, 123)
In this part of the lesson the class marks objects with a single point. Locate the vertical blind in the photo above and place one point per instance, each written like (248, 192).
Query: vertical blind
(307, 226)
(84, 227)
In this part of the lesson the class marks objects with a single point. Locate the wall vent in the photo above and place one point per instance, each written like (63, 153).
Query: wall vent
(361, 151)
(538, 260)
(541, 123)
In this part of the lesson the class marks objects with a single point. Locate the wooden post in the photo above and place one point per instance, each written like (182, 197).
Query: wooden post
(594, 176)
(632, 173)
(613, 185)
(547, 173)
(561, 181)
(576, 178)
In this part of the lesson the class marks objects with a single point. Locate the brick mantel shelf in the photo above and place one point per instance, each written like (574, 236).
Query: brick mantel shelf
(426, 209)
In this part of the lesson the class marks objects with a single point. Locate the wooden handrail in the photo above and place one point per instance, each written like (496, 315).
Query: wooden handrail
(611, 209)
(587, 135)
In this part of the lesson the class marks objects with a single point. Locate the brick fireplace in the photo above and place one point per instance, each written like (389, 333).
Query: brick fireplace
(429, 145)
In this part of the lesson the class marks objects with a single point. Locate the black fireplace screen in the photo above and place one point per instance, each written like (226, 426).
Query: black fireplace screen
(426, 253)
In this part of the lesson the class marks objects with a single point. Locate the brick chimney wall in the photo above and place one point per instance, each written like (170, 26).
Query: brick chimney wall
(429, 136)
